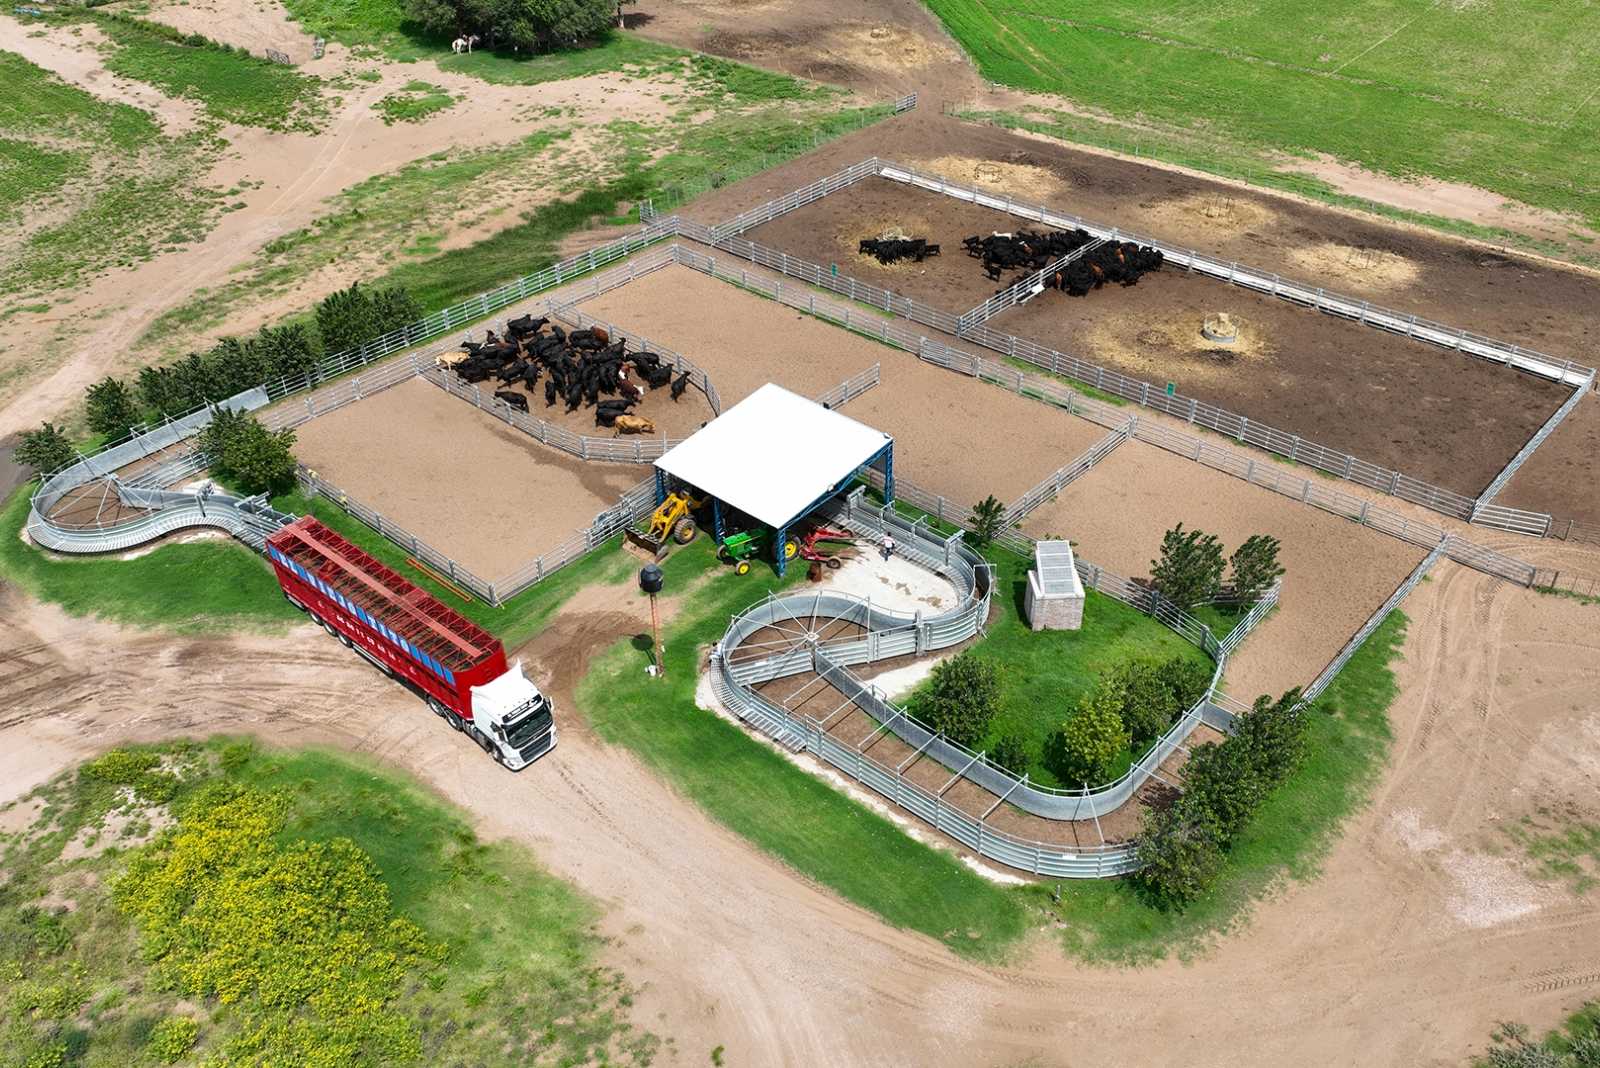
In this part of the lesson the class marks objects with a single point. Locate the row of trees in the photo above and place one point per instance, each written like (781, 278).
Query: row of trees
(343, 321)
(1127, 710)
(519, 25)
(1182, 848)
(1190, 568)
(246, 455)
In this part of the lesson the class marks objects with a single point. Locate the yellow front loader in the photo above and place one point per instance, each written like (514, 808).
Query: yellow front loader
(670, 522)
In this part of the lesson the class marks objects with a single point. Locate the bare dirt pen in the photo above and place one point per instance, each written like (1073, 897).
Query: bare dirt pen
(1432, 414)
(1337, 573)
(1560, 476)
(953, 435)
(480, 491)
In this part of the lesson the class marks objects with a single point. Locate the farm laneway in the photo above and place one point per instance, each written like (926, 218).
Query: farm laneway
(1433, 414)
(1337, 573)
(1417, 937)
(953, 435)
(479, 491)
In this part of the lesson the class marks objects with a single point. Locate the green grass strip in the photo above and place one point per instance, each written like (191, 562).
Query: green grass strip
(783, 810)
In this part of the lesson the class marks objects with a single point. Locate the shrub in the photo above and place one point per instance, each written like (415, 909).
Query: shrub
(171, 1040)
(1222, 781)
(1181, 854)
(349, 318)
(46, 450)
(987, 519)
(111, 408)
(239, 450)
(1149, 706)
(1273, 735)
(1011, 751)
(523, 25)
(1086, 747)
(963, 697)
(1255, 566)
(137, 768)
(1190, 568)
(1188, 679)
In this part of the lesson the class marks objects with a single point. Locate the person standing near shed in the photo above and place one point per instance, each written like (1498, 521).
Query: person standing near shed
(888, 545)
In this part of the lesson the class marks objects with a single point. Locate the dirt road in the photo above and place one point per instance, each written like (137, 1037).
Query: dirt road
(1415, 940)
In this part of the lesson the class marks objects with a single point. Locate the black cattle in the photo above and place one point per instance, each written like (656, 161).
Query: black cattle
(525, 326)
(516, 400)
(680, 385)
(887, 250)
(657, 376)
(550, 393)
(512, 371)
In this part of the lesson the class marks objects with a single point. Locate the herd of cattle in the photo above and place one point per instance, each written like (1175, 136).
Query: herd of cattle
(887, 250)
(581, 368)
(1029, 250)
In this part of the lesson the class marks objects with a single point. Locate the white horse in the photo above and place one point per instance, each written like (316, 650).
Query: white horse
(463, 44)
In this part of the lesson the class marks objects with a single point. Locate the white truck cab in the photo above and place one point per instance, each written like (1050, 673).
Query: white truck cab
(512, 720)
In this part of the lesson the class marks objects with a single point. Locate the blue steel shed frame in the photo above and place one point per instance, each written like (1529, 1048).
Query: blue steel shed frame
(883, 458)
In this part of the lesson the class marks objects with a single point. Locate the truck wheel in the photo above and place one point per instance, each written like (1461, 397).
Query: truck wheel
(456, 722)
(436, 706)
(684, 532)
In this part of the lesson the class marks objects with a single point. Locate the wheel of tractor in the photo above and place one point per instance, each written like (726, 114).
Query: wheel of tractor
(684, 532)
(724, 555)
(742, 567)
(790, 547)
(833, 563)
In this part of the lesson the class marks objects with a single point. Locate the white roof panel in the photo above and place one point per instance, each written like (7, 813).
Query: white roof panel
(773, 454)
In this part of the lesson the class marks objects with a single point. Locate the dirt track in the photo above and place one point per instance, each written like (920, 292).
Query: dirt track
(953, 435)
(476, 489)
(1432, 414)
(1337, 573)
(1415, 940)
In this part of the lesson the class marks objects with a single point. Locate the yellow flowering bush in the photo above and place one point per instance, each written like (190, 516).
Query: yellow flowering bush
(299, 936)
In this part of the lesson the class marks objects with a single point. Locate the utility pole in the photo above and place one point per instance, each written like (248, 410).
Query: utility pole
(650, 580)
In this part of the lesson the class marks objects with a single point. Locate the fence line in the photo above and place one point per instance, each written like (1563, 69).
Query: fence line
(1483, 503)
(851, 388)
(698, 377)
(1055, 482)
(1022, 291)
(1189, 409)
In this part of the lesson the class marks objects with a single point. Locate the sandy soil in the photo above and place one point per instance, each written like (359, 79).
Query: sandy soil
(943, 423)
(1337, 573)
(1402, 953)
(476, 489)
(254, 25)
(1560, 476)
(1428, 412)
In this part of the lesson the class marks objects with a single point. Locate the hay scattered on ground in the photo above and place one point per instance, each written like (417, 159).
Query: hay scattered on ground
(882, 227)
(1212, 213)
(1163, 349)
(886, 46)
(1370, 269)
(1021, 179)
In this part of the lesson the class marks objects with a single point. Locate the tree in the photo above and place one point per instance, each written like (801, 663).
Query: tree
(1085, 749)
(1255, 566)
(1187, 678)
(1273, 735)
(286, 351)
(1011, 751)
(1180, 855)
(987, 520)
(394, 308)
(963, 697)
(159, 391)
(111, 407)
(46, 450)
(346, 318)
(1190, 568)
(1221, 779)
(242, 452)
(1149, 705)
(522, 25)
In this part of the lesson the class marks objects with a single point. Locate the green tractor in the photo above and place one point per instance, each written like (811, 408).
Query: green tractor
(739, 549)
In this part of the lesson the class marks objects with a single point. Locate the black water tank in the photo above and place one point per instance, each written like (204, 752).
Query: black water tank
(650, 578)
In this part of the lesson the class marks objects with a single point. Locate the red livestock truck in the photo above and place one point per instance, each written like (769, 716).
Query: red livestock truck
(459, 668)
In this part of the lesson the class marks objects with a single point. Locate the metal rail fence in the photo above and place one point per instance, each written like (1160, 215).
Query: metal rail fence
(1483, 504)
(1567, 372)
(1056, 481)
(1327, 675)
(850, 388)
(573, 316)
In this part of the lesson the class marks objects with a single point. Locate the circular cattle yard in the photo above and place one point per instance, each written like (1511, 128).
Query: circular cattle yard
(481, 492)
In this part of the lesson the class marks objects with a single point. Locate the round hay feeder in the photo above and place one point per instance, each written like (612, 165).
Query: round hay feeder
(1219, 328)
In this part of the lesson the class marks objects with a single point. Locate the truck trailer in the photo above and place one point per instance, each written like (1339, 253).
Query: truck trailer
(458, 667)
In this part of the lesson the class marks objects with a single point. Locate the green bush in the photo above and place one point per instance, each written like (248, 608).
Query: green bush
(1274, 736)
(111, 408)
(1180, 851)
(349, 318)
(962, 699)
(1149, 705)
(521, 25)
(987, 520)
(230, 366)
(1086, 747)
(46, 450)
(241, 451)
(1190, 567)
(1222, 780)
(1011, 751)
(171, 1040)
